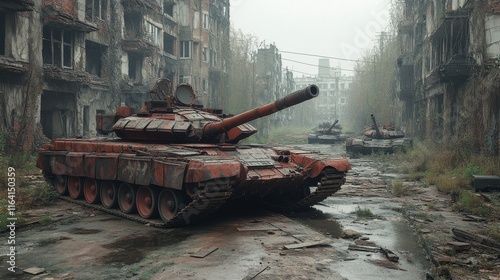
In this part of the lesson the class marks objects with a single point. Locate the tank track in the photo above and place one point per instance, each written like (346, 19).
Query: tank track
(211, 195)
(330, 183)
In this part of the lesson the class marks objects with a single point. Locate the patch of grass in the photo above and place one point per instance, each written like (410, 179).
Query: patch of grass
(471, 203)
(399, 189)
(493, 231)
(364, 213)
(46, 220)
(26, 195)
(447, 184)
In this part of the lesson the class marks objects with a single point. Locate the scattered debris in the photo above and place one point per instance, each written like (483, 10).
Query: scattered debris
(252, 274)
(459, 246)
(390, 255)
(473, 218)
(363, 248)
(307, 244)
(476, 239)
(34, 270)
(350, 234)
(204, 252)
(257, 228)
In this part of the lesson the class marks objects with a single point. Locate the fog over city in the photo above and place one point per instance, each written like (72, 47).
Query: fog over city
(336, 29)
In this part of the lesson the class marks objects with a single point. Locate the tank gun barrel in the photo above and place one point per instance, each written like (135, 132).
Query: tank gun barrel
(213, 129)
(375, 126)
(331, 127)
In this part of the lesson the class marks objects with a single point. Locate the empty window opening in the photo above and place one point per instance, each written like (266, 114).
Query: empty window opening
(94, 54)
(168, 8)
(132, 25)
(168, 43)
(134, 67)
(57, 47)
(96, 10)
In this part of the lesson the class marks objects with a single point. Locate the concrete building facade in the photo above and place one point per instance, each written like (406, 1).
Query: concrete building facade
(448, 66)
(64, 61)
(334, 88)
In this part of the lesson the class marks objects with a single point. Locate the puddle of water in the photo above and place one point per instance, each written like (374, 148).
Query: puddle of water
(319, 221)
(133, 249)
(83, 231)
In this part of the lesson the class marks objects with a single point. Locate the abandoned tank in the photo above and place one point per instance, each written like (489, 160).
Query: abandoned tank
(327, 133)
(173, 162)
(384, 139)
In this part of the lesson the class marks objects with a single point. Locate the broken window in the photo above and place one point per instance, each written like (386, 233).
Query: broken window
(213, 58)
(57, 47)
(205, 21)
(132, 25)
(185, 49)
(135, 67)
(94, 53)
(153, 33)
(168, 43)
(96, 10)
(205, 54)
(3, 39)
(168, 8)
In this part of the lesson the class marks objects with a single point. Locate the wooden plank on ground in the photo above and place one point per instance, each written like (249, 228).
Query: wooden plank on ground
(372, 249)
(307, 244)
(204, 252)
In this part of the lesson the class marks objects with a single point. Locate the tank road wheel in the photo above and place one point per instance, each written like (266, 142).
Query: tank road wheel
(146, 201)
(126, 198)
(169, 204)
(91, 190)
(74, 187)
(108, 194)
(60, 184)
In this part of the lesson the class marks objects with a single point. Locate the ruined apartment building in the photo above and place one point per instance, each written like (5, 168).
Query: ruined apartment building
(64, 61)
(334, 88)
(449, 70)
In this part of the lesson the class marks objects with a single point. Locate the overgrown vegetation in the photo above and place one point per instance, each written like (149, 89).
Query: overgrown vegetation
(364, 213)
(451, 168)
(27, 195)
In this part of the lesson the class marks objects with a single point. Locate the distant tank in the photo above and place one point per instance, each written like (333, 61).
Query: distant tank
(174, 162)
(327, 133)
(385, 139)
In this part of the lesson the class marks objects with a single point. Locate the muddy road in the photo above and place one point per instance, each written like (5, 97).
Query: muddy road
(73, 242)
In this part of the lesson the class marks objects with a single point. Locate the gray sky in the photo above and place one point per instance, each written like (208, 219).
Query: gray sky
(335, 28)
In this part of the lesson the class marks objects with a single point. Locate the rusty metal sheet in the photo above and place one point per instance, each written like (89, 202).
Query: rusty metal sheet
(134, 169)
(84, 146)
(166, 126)
(120, 124)
(314, 165)
(89, 165)
(57, 161)
(74, 164)
(168, 174)
(142, 124)
(106, 166)
(203, 169)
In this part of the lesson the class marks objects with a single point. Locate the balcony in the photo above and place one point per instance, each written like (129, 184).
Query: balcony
(137, 43)
(459, 67)
(17, 5)
(141, 6)
(12, 66)
(62, 14)
(405, 26)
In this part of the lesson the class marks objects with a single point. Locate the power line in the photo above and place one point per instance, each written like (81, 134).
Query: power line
(319, 65)
(323, 56)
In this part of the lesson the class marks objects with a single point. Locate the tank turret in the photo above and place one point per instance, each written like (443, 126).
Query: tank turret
(175, 119)
(387, 131)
